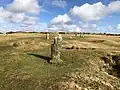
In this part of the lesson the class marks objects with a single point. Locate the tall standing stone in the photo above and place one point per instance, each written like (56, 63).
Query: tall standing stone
(75, 34)
(55, 50)
(47, 35)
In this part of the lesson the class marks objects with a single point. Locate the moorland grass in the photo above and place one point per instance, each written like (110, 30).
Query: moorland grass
(30, 69)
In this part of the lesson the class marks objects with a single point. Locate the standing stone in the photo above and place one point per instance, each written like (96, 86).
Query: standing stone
(75, 34)
(80, 35)
(55, 50)
(47, 36)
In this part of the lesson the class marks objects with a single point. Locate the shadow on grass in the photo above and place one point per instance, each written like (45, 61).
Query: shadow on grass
(46, 58)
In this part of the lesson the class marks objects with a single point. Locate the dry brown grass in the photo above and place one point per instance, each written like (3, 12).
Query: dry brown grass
(23, 64)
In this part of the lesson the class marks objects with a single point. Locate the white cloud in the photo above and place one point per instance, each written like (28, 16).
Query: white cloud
(65, 23)
(28, 20)
(95, 11)
(61, 19)
(5, 26)
(89, 12)
(65, 27)
(71, 20)
(113, 28)
(12, 21)
(59, 3)
(4, 13)
(72, 28)
(94, 28)
(110, 28)
(114, 6)
(83, 27)
(16, 17)
(20, 6)
(13, 17)
(118, 26)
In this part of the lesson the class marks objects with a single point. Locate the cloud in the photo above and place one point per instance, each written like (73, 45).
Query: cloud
(64, 28)
(15, 21)
(71, 21)
(89, 12)
(114, 7)
(87, 27)
(61, 19)
(4, 13)
(97, 11)
(21, 6)
(5, 26)
(59, 3)
(118, 26)
(110, 28)
(79, 27)
(28, 20)
(15, 17)
(113, 29)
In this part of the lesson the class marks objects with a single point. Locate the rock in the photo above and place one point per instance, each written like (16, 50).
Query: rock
(55, 50)
(116, 58)
(76, 34)
(16, 44)
(47, 36)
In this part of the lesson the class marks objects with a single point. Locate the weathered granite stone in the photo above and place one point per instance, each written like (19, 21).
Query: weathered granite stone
(76, 34)
(55, 50)
(47, 36)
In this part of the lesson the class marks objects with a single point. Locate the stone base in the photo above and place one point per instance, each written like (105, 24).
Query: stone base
(56, 61)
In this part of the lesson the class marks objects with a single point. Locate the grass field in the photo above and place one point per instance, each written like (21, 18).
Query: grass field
(24, 66)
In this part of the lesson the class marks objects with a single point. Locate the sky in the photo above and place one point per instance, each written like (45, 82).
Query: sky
(96, 16)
